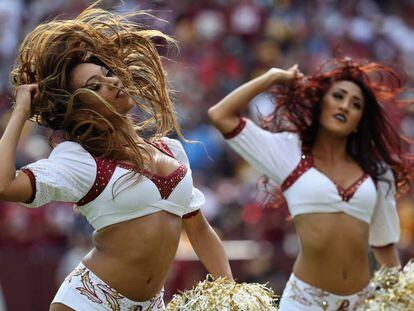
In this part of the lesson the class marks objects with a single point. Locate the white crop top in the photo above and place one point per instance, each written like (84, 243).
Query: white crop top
(71, 174)
(307, 190)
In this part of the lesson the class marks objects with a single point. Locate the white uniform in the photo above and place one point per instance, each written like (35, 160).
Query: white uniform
(307, 190)
(71, 174)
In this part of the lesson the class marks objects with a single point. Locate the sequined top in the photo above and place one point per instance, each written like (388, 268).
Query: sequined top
(71, 174)
(307, 190)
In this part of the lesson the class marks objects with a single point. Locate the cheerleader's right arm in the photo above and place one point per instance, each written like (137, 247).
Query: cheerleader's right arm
(14, 188)
(225, 114)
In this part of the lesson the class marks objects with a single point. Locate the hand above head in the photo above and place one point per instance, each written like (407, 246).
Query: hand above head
(225, 115)
(284, 76)
(25, 94)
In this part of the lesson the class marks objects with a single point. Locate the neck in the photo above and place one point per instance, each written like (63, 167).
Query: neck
(329, 147)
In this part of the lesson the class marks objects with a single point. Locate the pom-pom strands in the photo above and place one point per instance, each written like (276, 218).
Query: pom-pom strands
(392, 289)
(224, 295)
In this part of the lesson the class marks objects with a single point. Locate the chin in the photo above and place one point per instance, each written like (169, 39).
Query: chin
(130, 104)
(338, 131)
(127, 107)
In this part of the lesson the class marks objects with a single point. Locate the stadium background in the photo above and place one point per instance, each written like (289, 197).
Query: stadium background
(222, 44)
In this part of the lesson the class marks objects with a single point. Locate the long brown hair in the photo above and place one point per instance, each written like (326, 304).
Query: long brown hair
(377, 142)
(50, 52)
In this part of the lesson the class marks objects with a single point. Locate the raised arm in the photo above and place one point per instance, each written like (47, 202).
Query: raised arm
(14, 188)
(207, 246)
(226, 113)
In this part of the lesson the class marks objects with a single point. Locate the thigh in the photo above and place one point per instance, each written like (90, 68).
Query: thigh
(59, 307)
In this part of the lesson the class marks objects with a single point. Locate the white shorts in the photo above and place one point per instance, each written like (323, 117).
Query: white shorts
(300, 296)
(83, 290)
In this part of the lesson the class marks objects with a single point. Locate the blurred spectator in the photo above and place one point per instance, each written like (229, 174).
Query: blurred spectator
(222, 44)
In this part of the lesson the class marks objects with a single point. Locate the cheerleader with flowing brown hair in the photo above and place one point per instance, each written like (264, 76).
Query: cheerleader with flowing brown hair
(80, 78)
(339, 161)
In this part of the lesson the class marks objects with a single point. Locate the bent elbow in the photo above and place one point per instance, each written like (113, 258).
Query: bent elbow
(212, 114)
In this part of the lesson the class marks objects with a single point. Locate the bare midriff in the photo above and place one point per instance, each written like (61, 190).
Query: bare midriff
(134, 257)
(334, 252)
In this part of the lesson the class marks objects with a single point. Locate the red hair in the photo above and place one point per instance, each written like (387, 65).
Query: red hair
(377, 143)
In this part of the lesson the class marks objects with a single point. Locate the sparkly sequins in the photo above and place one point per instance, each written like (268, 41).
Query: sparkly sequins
(71, 174)
(105, 168)
(32, 178)
(165, 184)
(307, 162)
(163, 147)
(349, 192)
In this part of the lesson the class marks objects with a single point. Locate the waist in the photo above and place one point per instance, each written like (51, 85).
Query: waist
(302, 295)
(95, 281)
(334, 252)
(135, 256)
(333, 273)
(139, 280)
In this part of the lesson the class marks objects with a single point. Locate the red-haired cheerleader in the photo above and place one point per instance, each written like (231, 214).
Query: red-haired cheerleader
(339, 162)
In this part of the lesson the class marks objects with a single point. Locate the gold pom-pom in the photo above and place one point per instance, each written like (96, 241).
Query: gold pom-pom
(392, 289)
(222, 294)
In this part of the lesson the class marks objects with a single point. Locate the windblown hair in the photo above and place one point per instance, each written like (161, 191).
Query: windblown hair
(377, 143)
(50, 52)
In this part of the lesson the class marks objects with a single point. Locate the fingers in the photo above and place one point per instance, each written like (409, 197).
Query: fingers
(34, 91)
(32, 88)
(296, 72)
(293, 68)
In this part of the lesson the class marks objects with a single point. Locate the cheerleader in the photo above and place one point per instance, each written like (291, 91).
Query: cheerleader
(339, 162)
(81, 78)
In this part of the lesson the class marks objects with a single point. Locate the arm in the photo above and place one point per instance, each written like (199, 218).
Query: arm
(14, 188)
(384, 231)
(225, 114)
(386, 255)
(207, 245)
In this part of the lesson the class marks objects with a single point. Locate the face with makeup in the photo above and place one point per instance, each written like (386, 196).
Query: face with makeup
(103, 82)
(342, 108)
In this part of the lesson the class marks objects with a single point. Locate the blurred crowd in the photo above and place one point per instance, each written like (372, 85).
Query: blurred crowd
(222, 44)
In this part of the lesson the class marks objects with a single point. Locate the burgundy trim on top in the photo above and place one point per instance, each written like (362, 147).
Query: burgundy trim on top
(163, 147)
(104, 170)
(307, 162)
(304, 165)
(349, 192)
(236, 131)
(32, 178)
(165, 184)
